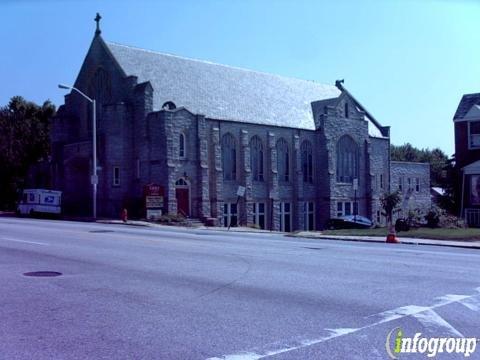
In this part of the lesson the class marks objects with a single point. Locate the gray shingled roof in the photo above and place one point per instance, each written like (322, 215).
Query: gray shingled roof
(466, 104)
(224, 92)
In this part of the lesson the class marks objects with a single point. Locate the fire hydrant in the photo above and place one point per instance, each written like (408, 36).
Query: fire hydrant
(124, 215)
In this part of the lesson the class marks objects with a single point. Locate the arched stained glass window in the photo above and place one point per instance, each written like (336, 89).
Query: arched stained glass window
(283, 161)
(347, 159)
(256, 158)
(307, 161)
(229, 157)
(100, 86)
(182, 146)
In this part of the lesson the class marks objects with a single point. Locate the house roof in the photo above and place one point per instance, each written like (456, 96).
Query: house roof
(467, 102)
(224, 92)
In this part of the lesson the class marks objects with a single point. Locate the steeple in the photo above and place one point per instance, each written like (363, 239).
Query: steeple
(97, 20)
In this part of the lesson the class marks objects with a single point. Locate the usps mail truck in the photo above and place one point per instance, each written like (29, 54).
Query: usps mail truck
(40, 201)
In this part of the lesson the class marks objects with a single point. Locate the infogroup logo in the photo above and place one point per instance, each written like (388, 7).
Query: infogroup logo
(401, 344)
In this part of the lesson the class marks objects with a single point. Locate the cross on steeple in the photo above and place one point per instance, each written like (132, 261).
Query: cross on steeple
(97, 20)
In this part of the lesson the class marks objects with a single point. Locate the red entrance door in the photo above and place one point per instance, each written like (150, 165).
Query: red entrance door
(183, 207)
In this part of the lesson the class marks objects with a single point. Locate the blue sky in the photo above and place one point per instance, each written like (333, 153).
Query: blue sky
(407, 62)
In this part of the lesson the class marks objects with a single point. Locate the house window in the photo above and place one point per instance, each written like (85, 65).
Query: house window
(381, 181)
(474, 134)
(346, 110)
(230, 217)
(182, 150)
(285, 217)
(417, 184)
(409, 182)
(259, 215)
(339, 208)
(229, 157)
(400, 183)
(347, 160)
(345, 208)
(309, 215)
(283, 161)
(256, 158)
(116, 176)
(307, 161)
(378, 217)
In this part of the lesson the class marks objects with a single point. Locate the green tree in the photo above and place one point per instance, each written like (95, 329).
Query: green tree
(24, 140)
(389, 202)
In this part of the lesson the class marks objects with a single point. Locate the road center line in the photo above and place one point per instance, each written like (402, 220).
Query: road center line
(385, 317)
(24, 241)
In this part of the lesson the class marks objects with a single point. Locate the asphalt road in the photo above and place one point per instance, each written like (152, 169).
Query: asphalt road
(142, 293)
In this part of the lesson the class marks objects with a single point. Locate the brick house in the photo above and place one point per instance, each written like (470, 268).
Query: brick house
(200, 130)
(467, 155)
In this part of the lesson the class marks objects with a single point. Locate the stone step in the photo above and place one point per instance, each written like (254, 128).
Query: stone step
(194, 222)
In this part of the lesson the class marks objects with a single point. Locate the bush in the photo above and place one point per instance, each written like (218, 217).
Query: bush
(432, 218)
(171, 219)
(438, 217)
(401, 225)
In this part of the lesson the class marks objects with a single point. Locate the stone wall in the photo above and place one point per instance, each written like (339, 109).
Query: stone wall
(413, 182)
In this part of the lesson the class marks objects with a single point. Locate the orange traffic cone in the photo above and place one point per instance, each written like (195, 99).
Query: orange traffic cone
(391, 237)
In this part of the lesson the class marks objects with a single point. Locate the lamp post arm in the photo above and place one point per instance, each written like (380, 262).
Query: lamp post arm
(81, 93)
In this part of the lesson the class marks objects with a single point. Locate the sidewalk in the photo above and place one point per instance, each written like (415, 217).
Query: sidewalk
(213, 228)
(381, 239)
(466, 244)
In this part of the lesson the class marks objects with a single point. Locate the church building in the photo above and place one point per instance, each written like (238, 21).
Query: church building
(302, 151)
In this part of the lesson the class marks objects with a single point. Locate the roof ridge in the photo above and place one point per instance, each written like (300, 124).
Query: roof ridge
(218, 64)
(472, 94)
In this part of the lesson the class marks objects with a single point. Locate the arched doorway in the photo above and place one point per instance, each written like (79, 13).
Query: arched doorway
(182, 193)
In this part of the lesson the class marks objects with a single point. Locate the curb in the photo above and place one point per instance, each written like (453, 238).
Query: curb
(122, 223)
(406, 242)
(147, 224)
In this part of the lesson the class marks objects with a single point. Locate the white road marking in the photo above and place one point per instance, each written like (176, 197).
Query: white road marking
(471, 303)
(24, 241)
(424, 314)
(430, 319)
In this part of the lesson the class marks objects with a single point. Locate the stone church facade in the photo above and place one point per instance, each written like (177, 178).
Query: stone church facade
(200, 130)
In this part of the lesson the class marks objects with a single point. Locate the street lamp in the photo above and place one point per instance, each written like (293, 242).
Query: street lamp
(94, 179)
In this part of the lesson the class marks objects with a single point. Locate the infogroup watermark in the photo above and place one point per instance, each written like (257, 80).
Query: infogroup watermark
(397, 343)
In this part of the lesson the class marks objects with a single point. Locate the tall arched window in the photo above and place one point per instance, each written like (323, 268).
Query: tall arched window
(347, 159)
(182, 146)
(307, 161)
(256, 158)
(100, 86)
(283, 161)
(229, 157)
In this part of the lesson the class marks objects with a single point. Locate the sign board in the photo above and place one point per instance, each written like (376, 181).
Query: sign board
(241, 191)
(154, 214)
(355, 184)
(154, 190)
(153, 202)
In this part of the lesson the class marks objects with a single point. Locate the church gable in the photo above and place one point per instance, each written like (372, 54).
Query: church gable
(100, 76)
